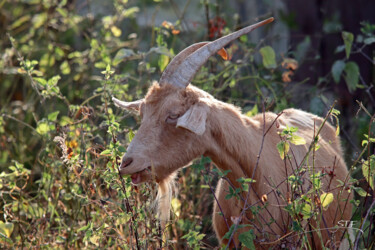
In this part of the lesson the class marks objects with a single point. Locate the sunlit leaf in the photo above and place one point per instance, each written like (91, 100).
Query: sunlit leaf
(163, 62)
(176, 206)
(130, 12)
(65, 68)
(297, 140)
(269, 57)
(6, 228)
(43, 128)
(326, 199)
(53, 116)
(283, 148)
(106, 152)
(41, 81)
(39, 19)
(116, 31)
(95, 240)
(368, 170)
(306, 211)
(337, 130)
(253, 111)
(130, 135)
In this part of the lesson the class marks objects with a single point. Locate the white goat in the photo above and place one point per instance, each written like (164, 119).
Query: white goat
(181, 122)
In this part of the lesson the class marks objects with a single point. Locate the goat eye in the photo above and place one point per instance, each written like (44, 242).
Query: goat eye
(172, 119)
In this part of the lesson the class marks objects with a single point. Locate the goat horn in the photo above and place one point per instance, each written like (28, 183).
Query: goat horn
(127, 105)
(177, 60)
(181, 75)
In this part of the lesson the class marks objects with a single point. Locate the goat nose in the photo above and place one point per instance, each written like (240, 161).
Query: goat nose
(126, 162)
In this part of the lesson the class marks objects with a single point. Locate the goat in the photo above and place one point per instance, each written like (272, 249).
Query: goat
(181, 122)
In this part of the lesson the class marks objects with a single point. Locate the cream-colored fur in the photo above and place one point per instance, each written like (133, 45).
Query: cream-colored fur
(172, 134)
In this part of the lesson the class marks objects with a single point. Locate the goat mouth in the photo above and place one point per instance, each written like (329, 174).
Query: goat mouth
(136, 178)
(141, 176)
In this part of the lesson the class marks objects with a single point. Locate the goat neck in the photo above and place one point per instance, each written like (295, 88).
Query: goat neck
(234, 137)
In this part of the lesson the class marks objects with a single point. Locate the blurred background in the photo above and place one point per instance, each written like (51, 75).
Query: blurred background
(61, 136)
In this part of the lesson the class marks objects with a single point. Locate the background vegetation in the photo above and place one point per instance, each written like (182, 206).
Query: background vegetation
(61, 137)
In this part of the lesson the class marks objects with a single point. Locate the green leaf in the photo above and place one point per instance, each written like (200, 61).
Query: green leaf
(231, 229)
(336, 112)
(130, 12)
(243, 38)
(306, 211)
(131, 135)
(361, 192)
(6, 228)
(43, 128)
(121, 149)
(84, 228)
(253, 111)
(316, 180)
(247, 239)
(163, 62)
(337, 69)
(269, 57)
(41, 81)
(54, 80)
(121, 55)
(368, 170)
(296, 226)
(53, 116)
(65, 68)
(39, 19)
(116, 31)
(20, 21)
(337, 130)
(297, 140)
(348, 41)
(326, 199)
(283, 148)
(369, 40)
(95, 240)
(351, 75)
(106, 152)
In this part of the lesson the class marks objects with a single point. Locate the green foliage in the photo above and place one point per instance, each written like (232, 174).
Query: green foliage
(247, 239)
(193, 239)
(62, 139)
(368, 170)
(269, 57)
(288, 136)
(348, 42)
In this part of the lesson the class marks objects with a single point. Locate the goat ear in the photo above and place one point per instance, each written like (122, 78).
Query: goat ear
(194, 119)
(128, 105)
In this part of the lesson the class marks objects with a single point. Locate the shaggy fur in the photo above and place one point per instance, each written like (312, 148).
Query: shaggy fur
(169, 139)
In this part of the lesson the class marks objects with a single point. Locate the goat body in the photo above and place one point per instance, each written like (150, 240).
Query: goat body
(179, 124)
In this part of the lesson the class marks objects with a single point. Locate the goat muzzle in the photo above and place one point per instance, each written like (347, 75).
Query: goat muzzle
(126, 162)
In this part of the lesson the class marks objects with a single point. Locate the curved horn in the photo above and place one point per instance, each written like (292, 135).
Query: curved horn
(127, 105)
(185, 72)
(177, 60)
